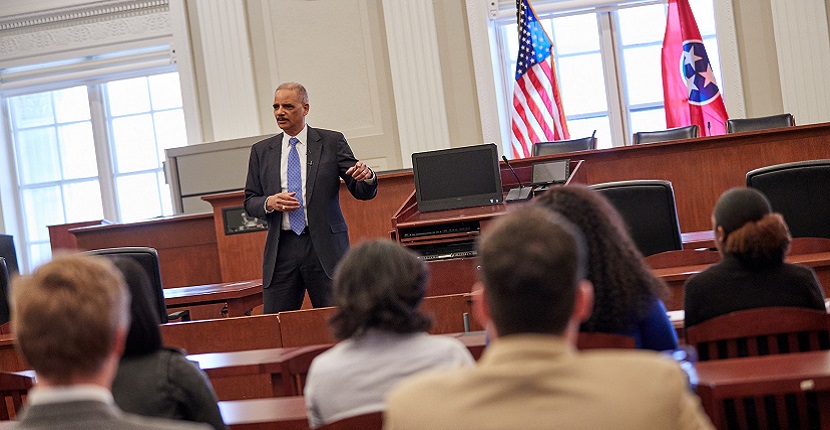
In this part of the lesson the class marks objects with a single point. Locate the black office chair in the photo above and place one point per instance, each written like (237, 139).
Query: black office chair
(148, 258)
(800, 192)
(5, 315)
(760, 123)
(648, 208)
(677, 133)
(560, 146)
(7, 251)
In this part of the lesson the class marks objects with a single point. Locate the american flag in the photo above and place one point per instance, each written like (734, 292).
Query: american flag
(537, 108)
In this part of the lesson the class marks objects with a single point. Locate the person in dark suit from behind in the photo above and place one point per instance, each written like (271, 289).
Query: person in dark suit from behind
(752, 272)
(294, 184)
(152, 380)
(534, 290)
(71, 318)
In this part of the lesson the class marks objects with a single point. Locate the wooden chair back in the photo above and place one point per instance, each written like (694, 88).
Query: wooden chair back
(224, 334)
(370, 421)
(310, 326)
(761, 331)
(295, 368)
(598, 340)
(682, 257)
(13, 387)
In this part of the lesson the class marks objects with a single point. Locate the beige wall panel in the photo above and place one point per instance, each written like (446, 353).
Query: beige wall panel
(337, 50)
(460, 93)
(758, 57)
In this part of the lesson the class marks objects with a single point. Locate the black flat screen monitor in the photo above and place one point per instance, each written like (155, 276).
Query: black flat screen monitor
(7, 251)
(457, 178)
(551, 172)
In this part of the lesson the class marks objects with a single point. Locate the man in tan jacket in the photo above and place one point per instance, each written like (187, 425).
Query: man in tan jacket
(535, 295)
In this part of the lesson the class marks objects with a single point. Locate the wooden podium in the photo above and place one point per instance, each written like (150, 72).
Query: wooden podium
(450, 235)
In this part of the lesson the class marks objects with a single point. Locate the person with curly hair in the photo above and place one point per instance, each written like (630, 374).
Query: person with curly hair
(628, 296)
(752, 273)
(377, 288)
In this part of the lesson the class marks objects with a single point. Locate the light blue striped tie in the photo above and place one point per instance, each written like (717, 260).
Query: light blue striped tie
(295, 185)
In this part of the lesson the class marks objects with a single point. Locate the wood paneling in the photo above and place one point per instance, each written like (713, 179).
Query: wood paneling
(186, 245)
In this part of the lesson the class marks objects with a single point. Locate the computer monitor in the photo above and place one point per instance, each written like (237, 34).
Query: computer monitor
(551, 172)
(457, 178)
(7, 251)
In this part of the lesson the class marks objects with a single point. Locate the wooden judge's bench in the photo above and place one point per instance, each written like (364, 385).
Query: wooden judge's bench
(199, 249)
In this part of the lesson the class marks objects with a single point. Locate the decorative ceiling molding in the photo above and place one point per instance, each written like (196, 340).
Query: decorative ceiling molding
(75, 15)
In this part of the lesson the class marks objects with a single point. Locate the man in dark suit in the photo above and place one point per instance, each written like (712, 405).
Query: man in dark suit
(294, 183)
(71, 318)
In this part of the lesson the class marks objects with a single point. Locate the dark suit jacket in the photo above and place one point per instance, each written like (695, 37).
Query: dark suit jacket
(730, 286)
(329, 156)
(90, 415)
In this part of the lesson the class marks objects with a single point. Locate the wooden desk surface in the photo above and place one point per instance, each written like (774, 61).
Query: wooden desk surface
(755, 376)
(771, 375)
(255, 361)
(287, 413)
(240, 297)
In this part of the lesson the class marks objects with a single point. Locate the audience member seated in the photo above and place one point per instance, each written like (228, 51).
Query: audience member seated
(152, 380)
(71, 319)
(531, 376)
(377, 289)
(627, 295)
(752, 273)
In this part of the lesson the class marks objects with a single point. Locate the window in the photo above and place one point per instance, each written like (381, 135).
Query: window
(608, 66)
(93, 151)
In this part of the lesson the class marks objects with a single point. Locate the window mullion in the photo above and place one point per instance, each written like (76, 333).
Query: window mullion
(103, 154)
(611, 55)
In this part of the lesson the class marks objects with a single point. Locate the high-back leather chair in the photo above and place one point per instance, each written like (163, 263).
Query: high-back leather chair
(562, 146)
(800, 191)
(148, 259)
(648, 209)
(760, 123)
(5, 281)
(677, 133)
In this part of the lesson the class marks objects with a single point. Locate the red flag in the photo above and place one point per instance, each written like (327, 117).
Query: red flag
(537, 108)
(690, 93)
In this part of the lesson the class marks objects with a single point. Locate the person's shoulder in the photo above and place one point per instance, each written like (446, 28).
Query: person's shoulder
(799, 270)
(326, 134)
(706, 276)
(430, 383)
(266, 141)
(137, 422)
(643, 361)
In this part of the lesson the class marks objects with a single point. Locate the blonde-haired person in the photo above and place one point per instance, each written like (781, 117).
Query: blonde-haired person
(71, 318)
(752, 273)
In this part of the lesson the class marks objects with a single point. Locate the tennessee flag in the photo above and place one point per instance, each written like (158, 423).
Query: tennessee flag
(690, 93)
(537, 114)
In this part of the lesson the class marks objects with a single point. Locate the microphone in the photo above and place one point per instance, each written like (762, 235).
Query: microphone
(708, 128)
(516, 194)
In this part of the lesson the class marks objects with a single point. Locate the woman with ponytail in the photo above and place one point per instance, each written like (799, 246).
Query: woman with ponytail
(752, 273)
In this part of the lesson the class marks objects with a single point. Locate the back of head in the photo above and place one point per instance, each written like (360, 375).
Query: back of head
(748, 229)
(66, 314)
(144, 335)
(623, 284)
(531, 263)
(379, 284)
